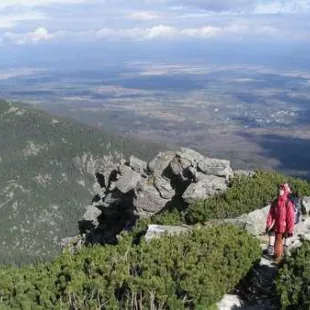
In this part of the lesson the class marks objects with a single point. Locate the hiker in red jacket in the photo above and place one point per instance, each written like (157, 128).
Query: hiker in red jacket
(280, 220)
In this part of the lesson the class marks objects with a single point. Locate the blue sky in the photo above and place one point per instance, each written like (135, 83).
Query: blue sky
(25, 24)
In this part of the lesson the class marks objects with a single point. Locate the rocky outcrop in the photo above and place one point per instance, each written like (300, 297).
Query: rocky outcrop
(129, 189)
(207, 186)
(73, 244)
(230, 302)
(253, 222)
(216, 167)
(306, 205)
(156, 231)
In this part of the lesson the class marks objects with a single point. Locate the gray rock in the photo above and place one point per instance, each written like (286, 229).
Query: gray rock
(254, 222)
(305, 237)
(128, 179)
(217, 167)
(191, 156)
(156, 231)
(229, 302)
(194, 173)
(91, 214)
(162, 161)
(112, 198)
(137, 165)
(181, 167)
(200, 176)
(206, 187)
(87, 164)
(306, 204)
(246, 173)
(98, 190)
(176, 167)
(106, 175)
(164, 187)
(147, 200)
(301, 232)
(72, 244)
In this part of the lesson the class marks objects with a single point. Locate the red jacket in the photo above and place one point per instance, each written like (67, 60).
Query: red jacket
(281, 217)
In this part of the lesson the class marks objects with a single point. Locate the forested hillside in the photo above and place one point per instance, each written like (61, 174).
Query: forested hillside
(46, 175)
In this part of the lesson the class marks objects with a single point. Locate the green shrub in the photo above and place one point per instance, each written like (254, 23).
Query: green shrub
(293, 281)
(244, 195)
(173, 272)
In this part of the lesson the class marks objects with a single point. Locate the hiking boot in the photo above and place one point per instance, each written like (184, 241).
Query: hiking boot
(278, 260)
(270, 250)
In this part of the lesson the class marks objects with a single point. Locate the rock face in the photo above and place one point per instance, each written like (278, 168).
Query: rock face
(254, 222)
(155, 231)
(230, 302)
(129, 189)
(216, 167)
(306, 204)
(206, 187)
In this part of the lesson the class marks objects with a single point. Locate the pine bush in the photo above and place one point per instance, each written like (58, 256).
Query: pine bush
(293, 281)
(188, 271)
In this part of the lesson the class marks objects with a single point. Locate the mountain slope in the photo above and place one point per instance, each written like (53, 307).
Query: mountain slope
(42, 193)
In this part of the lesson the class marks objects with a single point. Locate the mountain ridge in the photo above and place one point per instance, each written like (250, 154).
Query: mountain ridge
(42, 190)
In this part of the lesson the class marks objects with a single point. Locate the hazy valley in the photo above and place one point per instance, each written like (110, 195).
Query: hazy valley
(248, 114)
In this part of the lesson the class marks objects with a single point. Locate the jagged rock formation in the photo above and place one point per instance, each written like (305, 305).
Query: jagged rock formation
(131, 189)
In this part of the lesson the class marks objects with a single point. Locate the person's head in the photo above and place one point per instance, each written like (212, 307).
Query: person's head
(283, 190)
(287, 188)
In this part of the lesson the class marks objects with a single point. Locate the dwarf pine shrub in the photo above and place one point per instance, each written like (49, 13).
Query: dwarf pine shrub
(188, 271)
(293, 281)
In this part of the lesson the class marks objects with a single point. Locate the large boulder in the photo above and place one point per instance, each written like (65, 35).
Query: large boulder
(128, 179)
(254, 222)
(91, 215)
(147, 200)
(218, 167)
(138, 165)
(229, 302)
(191, 156)
(160, 163)
(156, 231)
(164, 187)
(246, 173)
(113, 198)
(72, 244)
(306, 205)
(207, 186)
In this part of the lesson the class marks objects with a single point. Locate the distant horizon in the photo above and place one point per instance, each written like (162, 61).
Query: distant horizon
(86, 33)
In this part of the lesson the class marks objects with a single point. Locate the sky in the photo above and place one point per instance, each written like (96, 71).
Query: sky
(62, 27)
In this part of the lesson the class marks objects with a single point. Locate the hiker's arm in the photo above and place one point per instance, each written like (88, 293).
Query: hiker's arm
(290, 218)
(270, 217)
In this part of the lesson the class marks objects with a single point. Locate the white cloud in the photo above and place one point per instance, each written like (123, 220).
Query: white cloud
(285, 7)
(207, 31)
(240, 29)
(143, 16)
(10, 20)
(40, 34)
(161, 31)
